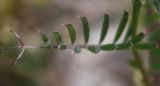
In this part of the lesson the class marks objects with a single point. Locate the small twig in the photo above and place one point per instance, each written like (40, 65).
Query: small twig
(18, 37)
(19, 56)
(142, 68)
(54, 46)
(21, 47)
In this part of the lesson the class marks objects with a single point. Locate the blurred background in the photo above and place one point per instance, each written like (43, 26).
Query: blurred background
(41, 67)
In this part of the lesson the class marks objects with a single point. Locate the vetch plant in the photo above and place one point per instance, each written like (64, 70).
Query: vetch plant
(133, 40)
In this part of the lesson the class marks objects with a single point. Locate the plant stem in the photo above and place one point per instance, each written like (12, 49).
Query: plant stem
(54, 47)
(142, 68)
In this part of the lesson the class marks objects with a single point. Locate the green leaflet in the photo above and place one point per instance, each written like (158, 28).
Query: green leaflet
(142, 46)
(121, 27)
(77, 50)
(145, 46)
(94, 49)
(46, 42)
(58, 38)
(134, 21)
(138, 38)
(108, 47)
(104, 28)
(85, 29)
(72, 33)
(59, 41)
(123, 46)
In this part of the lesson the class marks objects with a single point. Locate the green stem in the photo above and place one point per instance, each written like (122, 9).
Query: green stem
(142, 68)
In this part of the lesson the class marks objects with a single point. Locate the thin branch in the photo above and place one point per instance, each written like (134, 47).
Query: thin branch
(19, 56)
(71, 47)
(18, 37)
(142, 68)
(54, 47)
(153, 46)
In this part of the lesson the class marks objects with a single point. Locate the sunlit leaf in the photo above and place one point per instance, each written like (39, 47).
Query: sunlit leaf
(85, 29)
(138, 38)
(94, 49)
(72, 33)
(121, 27)
(108, 47)
(104, 28)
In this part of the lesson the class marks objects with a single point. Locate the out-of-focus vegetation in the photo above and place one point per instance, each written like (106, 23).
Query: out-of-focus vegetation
(23, 16)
